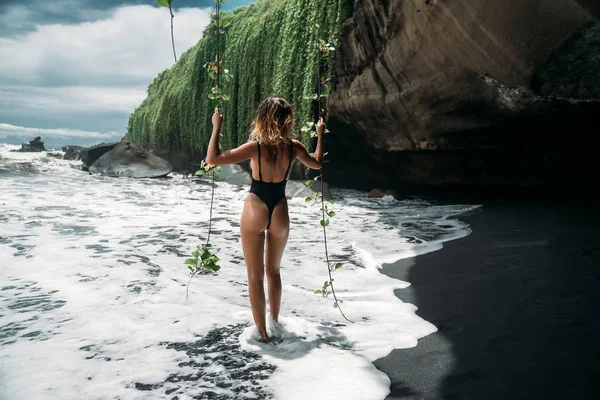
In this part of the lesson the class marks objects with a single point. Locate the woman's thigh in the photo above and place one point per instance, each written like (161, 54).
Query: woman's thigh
(277, 236)
(255, 219)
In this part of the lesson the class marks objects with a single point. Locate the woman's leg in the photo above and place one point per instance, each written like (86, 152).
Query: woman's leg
(277, 237)
(255, 218)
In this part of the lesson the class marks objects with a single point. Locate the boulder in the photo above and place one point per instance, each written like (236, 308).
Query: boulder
(72, 152)
(130, 160)
(235, 175)
(376, 194)
(392, 193)
(34, 146)
(299, 189)
(91, 154)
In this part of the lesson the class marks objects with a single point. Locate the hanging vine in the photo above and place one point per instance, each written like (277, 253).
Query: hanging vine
(167, 3)
(203, 257)
(322, 49)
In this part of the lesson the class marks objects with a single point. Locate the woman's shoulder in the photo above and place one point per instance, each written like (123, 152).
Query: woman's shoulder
(297, 144)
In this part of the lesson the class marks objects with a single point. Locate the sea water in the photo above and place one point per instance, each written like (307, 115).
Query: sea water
(93, 290)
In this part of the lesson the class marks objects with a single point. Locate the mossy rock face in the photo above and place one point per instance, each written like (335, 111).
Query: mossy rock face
(573, 70)
(269, 48)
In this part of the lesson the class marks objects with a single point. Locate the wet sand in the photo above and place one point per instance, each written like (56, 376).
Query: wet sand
(515, 303)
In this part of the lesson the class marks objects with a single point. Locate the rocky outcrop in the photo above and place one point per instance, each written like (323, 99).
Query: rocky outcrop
(573, 69)
(130, 160)
(34, 146)
(463, 92)
(91, 154)
(378, 194)
(72, 152)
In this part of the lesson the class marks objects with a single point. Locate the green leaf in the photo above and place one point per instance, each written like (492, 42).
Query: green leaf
(191, 269)
(331, 213)
(309, 182)
(196, 253)
(191, 261)
(335, 305)
(164, 3)
(207, 246)
(308, 199)
(199, 172)
(318, 292)
(324, 222)
(338, 265)
(305, 129)
(212, 266)
(329, 200)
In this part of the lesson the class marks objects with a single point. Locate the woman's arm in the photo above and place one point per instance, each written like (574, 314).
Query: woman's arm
(233, 156)
(315, 162)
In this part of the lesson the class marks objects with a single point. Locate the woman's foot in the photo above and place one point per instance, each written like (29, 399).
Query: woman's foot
(265, 337)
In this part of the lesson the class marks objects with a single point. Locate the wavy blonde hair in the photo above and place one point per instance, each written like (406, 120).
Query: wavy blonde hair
(273, 123)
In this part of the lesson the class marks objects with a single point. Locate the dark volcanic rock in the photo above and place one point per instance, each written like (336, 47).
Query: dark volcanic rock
(35, 146)
(441, 93)
(72, 152)
(91, 154)
(130, 160)
(573, 70)
(408, 80)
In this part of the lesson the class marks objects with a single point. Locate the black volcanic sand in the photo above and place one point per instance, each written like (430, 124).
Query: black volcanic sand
(515, 303)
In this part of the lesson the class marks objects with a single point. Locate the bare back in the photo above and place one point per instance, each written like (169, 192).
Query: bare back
(274, 162)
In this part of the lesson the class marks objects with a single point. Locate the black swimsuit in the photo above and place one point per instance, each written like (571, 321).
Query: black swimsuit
(270, 193)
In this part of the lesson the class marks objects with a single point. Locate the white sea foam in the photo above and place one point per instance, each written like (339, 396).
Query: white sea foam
(92, 290)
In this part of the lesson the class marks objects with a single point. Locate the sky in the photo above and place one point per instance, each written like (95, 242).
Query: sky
(72, 71)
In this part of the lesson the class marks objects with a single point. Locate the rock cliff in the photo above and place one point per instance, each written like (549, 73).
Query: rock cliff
(464, 91)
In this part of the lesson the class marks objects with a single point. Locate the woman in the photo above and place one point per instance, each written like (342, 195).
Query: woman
(271, 151)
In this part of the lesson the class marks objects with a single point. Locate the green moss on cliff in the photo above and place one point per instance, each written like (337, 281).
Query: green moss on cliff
(269, 50)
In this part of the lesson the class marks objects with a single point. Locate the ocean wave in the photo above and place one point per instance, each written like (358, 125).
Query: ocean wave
(93, 290)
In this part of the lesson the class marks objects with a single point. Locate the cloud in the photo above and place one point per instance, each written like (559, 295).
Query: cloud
(91, 75)
(7, 130)
(130, 47)
(70, 100)
(17, 17)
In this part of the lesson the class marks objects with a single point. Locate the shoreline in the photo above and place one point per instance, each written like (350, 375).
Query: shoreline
(513, 303)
